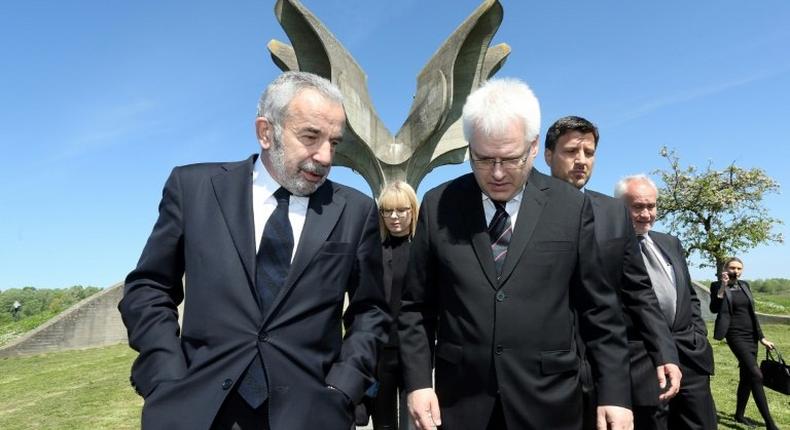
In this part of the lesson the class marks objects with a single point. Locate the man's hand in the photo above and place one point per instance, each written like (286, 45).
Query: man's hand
(675, 375)
(424, 408)
(614, 418)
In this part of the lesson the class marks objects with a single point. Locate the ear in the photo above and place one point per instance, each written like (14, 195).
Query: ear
(533, 150)
(265, 132)
(547, 153)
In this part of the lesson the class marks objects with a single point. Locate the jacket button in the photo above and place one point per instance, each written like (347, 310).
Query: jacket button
(500, 296)
(226, 384)
(499, 349)
(263, 336)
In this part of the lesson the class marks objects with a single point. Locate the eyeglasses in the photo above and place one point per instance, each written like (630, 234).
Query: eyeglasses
(401, 212)
(505, 163)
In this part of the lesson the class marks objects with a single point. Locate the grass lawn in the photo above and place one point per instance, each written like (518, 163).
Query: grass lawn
(86, 389)
(725, 382)
(777, 304)
(89, 389)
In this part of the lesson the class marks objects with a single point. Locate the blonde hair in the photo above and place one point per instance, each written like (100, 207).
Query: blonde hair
(395, 195)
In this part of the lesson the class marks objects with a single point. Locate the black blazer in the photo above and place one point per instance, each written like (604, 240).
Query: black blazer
(650, 342)
(688, 330)
(510, 337)
(723, 307)
(205, 234)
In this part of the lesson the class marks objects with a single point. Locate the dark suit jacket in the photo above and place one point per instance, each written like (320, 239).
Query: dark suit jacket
(511, 337)
(723, 307)
(649, 341)
(689, 329)
(205, 233)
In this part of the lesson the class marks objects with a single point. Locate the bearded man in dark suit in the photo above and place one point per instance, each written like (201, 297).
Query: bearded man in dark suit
(693, 407)
(268, 249)
(570, 151)
(502, 263)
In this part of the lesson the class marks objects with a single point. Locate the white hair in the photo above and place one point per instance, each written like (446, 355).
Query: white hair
(274, 101)
(622, 185)
(491, 108)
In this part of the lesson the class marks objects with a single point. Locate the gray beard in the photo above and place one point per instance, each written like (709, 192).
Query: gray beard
(296, 184)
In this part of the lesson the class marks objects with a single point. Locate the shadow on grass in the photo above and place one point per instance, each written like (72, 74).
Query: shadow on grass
(727, 421)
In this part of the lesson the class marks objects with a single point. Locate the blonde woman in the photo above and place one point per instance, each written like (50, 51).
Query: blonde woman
(398, 215)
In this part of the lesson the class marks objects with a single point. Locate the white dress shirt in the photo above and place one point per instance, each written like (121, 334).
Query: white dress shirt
(264, 203)
(511, 207)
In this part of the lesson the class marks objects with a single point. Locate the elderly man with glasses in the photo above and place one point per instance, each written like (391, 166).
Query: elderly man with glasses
(503, 263)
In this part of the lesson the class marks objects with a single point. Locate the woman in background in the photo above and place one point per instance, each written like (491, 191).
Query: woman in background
(398, 216)
(737, 322)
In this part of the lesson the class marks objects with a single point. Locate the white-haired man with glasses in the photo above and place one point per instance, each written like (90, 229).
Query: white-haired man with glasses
(502, 262)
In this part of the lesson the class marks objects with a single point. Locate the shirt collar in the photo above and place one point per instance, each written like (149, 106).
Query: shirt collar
(263, 181)
(517, 198)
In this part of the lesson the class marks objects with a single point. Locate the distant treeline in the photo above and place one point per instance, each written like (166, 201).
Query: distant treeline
(771, 286)
(36, 301)
(765, 286)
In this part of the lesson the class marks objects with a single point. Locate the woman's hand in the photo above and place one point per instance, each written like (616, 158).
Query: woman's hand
(768, 344)
(724, 278)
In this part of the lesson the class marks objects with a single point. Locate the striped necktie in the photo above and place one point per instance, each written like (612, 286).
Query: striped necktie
(500, 232)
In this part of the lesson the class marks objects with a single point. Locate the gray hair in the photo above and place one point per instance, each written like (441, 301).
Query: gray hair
(273, 104)
(493, 106)
(622, 185)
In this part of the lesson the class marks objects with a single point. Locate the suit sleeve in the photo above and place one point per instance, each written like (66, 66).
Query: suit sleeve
(696, 311)
(640, 301)
(152, 292)
(600, 319)
(366, 316)
(418, 314)
(715, 301)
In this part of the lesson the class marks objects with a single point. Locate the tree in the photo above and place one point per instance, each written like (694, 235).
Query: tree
(716, 213)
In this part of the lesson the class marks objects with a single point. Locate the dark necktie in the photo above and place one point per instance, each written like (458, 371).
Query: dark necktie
(662, 283)
(272, 264)
(500, 232)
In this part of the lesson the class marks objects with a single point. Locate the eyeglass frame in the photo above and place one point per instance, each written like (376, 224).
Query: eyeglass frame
(504, 163)
(399, 212)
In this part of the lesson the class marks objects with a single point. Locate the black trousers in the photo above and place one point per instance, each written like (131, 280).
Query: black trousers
(236, 414)
(750, 378)
(693, 407)
(497, 421)
(385, 405)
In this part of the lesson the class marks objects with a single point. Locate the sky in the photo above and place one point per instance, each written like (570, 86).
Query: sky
(101, 99)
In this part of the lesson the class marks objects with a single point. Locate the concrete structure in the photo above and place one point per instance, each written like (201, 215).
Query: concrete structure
(92, 322)
(431, 135)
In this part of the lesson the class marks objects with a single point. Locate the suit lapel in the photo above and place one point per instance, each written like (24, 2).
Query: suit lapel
(233, 190)
(478, 229)
(323, 212)
(532, 202)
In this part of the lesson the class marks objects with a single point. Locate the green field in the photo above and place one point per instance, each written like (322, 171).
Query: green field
(777, 304)
(725, 382)
(89, 389)
(86, 389)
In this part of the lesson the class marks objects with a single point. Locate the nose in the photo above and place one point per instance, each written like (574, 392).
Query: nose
(323, 155)
(498, 171)
(394, 215)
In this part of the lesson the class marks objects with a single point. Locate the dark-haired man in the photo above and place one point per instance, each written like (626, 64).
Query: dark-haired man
(570, 149)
